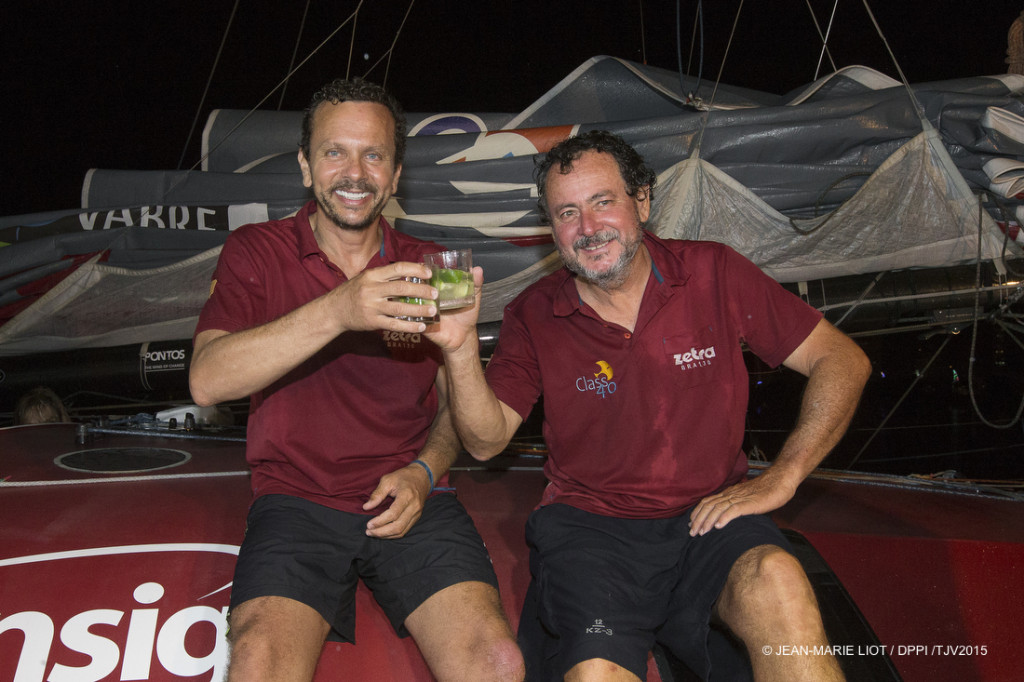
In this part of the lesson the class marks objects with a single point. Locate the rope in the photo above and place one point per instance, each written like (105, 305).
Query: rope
(391, 50)
(906, 84)
(119, 479)
(698, 29)
(209, 79)
(899, 402)
(281, 83)
(718, 80)
(351, 44)
(824, 38)
(643, 30)
(974, 335)
(820, 200)
(860, 299)
(295, 51)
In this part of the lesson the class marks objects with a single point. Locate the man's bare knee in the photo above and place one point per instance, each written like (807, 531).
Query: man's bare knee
(767, 601)
(274, 638)
(766, 584)
(463, 634)
(505, 659)
(599, 669)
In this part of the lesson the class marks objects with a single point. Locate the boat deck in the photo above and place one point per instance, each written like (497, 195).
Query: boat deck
(929, 573)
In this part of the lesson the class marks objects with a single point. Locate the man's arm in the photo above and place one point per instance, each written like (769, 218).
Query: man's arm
(410, 485)
(484, 423)
(228, 366)
(836, 370)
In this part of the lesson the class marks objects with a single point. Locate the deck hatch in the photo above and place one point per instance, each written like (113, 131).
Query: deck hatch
(122, 460)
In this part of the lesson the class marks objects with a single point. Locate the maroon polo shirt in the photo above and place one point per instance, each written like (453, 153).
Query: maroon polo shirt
(361, 407)
(644, 424)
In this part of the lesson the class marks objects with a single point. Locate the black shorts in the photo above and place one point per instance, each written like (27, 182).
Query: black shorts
(609, 588)
(314, 554)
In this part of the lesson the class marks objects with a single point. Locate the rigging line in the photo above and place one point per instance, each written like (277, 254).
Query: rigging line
(920, 375)
(820, 200)
(643, 43)
(391, 50)
(695, 33)
(824, 38)
(906, 84)
(295, 51)
(352, 43)
(265, 98)
(1010, 329)
(679, 50)
(1004, 211)
(387, 54)
(860, 299)
(209, 79)
(718, 80)
(697, 27)
(974, 337)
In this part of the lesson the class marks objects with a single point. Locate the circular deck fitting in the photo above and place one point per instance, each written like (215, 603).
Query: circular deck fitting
(122, 460)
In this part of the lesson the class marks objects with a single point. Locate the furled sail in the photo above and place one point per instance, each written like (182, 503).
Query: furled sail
(844, 176)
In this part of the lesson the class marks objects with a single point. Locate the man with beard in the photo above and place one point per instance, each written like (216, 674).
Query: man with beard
(349, 436)
(650, 529)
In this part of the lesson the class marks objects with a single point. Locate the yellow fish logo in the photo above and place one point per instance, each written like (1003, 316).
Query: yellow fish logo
(606, 370)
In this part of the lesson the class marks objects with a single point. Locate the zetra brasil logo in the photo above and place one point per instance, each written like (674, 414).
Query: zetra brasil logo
(116, 613)
(395, 340)
(601, 384)
(695, 358)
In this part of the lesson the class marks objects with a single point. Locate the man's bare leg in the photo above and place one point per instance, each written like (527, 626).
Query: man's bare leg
(274, 638)
(768, 602)
(463, 634)
(599, 670)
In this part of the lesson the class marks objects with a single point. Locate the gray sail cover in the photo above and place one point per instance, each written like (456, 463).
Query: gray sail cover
(851, 174)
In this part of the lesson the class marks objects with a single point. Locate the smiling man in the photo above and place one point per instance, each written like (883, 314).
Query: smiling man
(649, 529)
(349, 437)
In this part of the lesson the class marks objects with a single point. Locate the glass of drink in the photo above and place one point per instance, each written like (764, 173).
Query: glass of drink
(416, 301)
(452, 276)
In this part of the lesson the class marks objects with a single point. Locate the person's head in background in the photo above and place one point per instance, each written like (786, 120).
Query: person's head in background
(40, 406)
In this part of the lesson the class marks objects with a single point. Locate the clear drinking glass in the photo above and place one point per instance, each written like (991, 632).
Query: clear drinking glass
(452, 276)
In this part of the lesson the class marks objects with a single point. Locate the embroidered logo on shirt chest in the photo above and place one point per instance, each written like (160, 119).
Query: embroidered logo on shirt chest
(694, 358)
(401, 339)
(601, 383)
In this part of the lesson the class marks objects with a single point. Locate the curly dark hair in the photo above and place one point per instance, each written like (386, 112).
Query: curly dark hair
(355, 90)
(635, 172)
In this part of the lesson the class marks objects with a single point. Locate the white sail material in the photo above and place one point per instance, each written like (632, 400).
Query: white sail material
(914, 211)
(100, 305)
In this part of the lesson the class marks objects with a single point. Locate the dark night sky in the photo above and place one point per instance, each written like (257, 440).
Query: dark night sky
(119, 86)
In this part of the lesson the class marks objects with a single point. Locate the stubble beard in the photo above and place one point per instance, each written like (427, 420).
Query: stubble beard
(324, 204)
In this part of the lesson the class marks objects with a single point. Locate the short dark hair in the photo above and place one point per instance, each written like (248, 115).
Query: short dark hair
(355, 90)
(635, 173)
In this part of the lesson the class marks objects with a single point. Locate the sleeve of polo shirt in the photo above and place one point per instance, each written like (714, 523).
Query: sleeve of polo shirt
(235, 291)
(513, 373)
(772, 320)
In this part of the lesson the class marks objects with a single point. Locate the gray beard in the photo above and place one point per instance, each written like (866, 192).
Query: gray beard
(613, 276)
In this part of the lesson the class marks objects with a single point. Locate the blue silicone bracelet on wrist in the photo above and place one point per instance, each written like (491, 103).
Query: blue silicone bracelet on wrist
(430, 475)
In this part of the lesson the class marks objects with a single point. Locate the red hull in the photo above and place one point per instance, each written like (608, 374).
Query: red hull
(140, 589)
